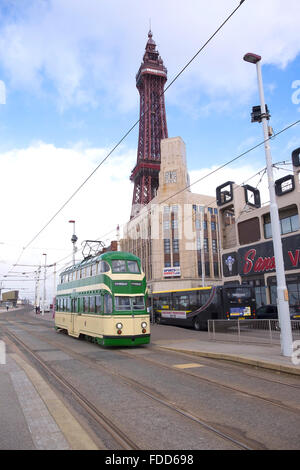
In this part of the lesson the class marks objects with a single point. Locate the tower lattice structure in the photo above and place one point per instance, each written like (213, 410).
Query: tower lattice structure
(150, 80)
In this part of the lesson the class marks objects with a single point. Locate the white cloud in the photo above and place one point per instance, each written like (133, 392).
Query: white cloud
(40, 180)
(90, 50)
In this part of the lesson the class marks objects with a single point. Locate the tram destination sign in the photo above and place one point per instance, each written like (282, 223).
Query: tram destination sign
(259, 259)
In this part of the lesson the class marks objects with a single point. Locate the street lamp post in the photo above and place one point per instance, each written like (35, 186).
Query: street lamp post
(44, 289)
(282, 293)
(73, 240)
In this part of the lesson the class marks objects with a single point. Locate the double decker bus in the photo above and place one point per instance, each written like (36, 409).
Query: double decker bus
(104, 298)
(193, 307)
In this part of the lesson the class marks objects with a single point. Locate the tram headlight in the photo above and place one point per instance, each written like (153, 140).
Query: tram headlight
(144, 324)
(119, 326)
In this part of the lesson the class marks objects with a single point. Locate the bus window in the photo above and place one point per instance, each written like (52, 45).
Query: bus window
(204, 296)
(181, 301)
(194, 301)
(164, 301)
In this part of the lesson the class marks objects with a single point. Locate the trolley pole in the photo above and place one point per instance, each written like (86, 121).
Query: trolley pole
(282, 292)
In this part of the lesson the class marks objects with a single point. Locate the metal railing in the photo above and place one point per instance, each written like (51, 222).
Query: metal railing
(249, 331)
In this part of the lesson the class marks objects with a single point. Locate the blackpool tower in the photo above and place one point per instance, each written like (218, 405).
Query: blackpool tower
(150, 80)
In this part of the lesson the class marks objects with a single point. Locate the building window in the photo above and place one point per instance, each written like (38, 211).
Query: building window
(167, 264)
(205, 244)
(170, 176)
(207, 269)
(216, 269)
(213, 226)
(210, 210)
(167, 245)
(199, 268)
(289, 222)
(214, 246)
(198, 243)
(175, 245)
(205, 224)
(174, 223)
(166, 224)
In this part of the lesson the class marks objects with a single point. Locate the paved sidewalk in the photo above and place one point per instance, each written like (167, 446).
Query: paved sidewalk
(265, 356)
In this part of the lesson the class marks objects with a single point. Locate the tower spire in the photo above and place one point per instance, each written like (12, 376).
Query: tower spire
(150, 80)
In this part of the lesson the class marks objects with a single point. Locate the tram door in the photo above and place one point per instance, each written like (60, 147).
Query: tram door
(73, 313)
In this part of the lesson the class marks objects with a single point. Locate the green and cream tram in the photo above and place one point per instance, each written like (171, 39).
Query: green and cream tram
(104, 299)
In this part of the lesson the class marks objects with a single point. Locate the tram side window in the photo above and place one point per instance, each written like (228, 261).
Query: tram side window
(92, 304)
(94, 269)
(86, 304)
(107, 304)
(103, 267)
(98, 308)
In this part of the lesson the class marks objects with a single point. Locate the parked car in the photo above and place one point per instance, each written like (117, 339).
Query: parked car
(269, 312)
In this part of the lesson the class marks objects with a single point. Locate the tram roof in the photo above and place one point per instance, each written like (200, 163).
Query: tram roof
(108, 255)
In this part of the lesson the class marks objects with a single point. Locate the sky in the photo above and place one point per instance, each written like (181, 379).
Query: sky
(68, 95)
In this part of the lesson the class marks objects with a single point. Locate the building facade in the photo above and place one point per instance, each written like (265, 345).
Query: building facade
(246, 236)
(176, 234)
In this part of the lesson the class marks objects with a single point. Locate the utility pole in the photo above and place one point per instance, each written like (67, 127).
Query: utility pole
(73, 240)
(44, 289)
(282, 292)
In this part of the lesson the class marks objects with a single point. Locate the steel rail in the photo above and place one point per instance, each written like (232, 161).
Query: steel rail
(118, 435)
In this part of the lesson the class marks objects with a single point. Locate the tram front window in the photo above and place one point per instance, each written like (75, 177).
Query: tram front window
(129, 303)
(118, 266)
(122, 303)
(133, 267)
(138, 303)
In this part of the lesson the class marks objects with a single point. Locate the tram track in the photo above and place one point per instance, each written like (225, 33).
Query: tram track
(102, 419)
(181, 371)
(246, 444)
(186, 354)
(191, 355)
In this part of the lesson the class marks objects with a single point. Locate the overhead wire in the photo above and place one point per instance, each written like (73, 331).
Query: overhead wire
(127, 133)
